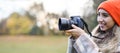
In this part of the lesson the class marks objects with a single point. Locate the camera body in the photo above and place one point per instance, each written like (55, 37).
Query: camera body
(65, 24)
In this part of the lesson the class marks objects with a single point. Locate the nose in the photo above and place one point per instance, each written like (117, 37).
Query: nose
(99, 19)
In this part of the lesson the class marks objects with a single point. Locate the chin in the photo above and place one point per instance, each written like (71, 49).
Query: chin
(103, 29)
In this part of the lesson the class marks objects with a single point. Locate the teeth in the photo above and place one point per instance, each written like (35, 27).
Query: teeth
(103, 23)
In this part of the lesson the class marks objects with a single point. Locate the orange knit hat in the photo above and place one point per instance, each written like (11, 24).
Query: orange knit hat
(113, 8)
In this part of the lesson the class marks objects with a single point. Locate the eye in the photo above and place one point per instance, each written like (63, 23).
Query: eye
(105, 14)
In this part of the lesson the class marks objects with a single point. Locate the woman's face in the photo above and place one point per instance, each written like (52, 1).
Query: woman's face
(105, 21)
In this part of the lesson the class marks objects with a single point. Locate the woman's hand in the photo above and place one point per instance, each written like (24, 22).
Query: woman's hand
(75, 32)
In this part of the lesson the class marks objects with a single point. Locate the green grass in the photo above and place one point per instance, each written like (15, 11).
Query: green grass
(33, 44)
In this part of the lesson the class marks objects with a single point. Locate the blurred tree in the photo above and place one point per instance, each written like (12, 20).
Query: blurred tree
(65, 14)
(36, 30)
(38, 11)
(3, 29)
(45, 22)
(96, 3)
(52, 19)
(31, 17)
(12, 23)
(17, 24)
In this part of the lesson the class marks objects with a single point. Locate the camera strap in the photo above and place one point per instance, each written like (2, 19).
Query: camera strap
(85, 24)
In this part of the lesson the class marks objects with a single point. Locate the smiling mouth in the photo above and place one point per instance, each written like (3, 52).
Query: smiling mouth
(102, 24)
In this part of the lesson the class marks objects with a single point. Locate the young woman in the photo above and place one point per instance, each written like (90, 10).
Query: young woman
(107, 32)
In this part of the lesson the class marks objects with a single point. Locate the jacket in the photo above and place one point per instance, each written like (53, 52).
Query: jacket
(88, 44)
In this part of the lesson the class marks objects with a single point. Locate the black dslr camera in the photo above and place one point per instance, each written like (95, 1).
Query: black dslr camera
(65, 24)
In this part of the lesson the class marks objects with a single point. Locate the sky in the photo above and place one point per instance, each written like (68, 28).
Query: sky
(74, 7)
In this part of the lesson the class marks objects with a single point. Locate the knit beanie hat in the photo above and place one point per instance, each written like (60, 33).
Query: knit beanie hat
(113, 8)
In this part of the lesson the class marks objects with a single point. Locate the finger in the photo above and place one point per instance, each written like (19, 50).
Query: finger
(74, 26)
(78, 28)
(68, 34)
(68, 31)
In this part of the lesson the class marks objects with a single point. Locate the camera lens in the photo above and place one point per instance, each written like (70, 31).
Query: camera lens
(64, 24)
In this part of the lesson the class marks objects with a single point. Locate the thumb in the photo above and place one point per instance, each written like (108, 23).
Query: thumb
(74, 26)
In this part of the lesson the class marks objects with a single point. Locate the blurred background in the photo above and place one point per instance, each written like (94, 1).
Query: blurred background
(31, 26)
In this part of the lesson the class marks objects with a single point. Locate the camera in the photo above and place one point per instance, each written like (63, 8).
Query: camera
(65, 24)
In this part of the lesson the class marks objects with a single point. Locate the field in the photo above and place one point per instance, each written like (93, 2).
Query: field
(33, 44)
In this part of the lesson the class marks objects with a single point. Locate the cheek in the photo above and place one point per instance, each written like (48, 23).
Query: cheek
(109, 23)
